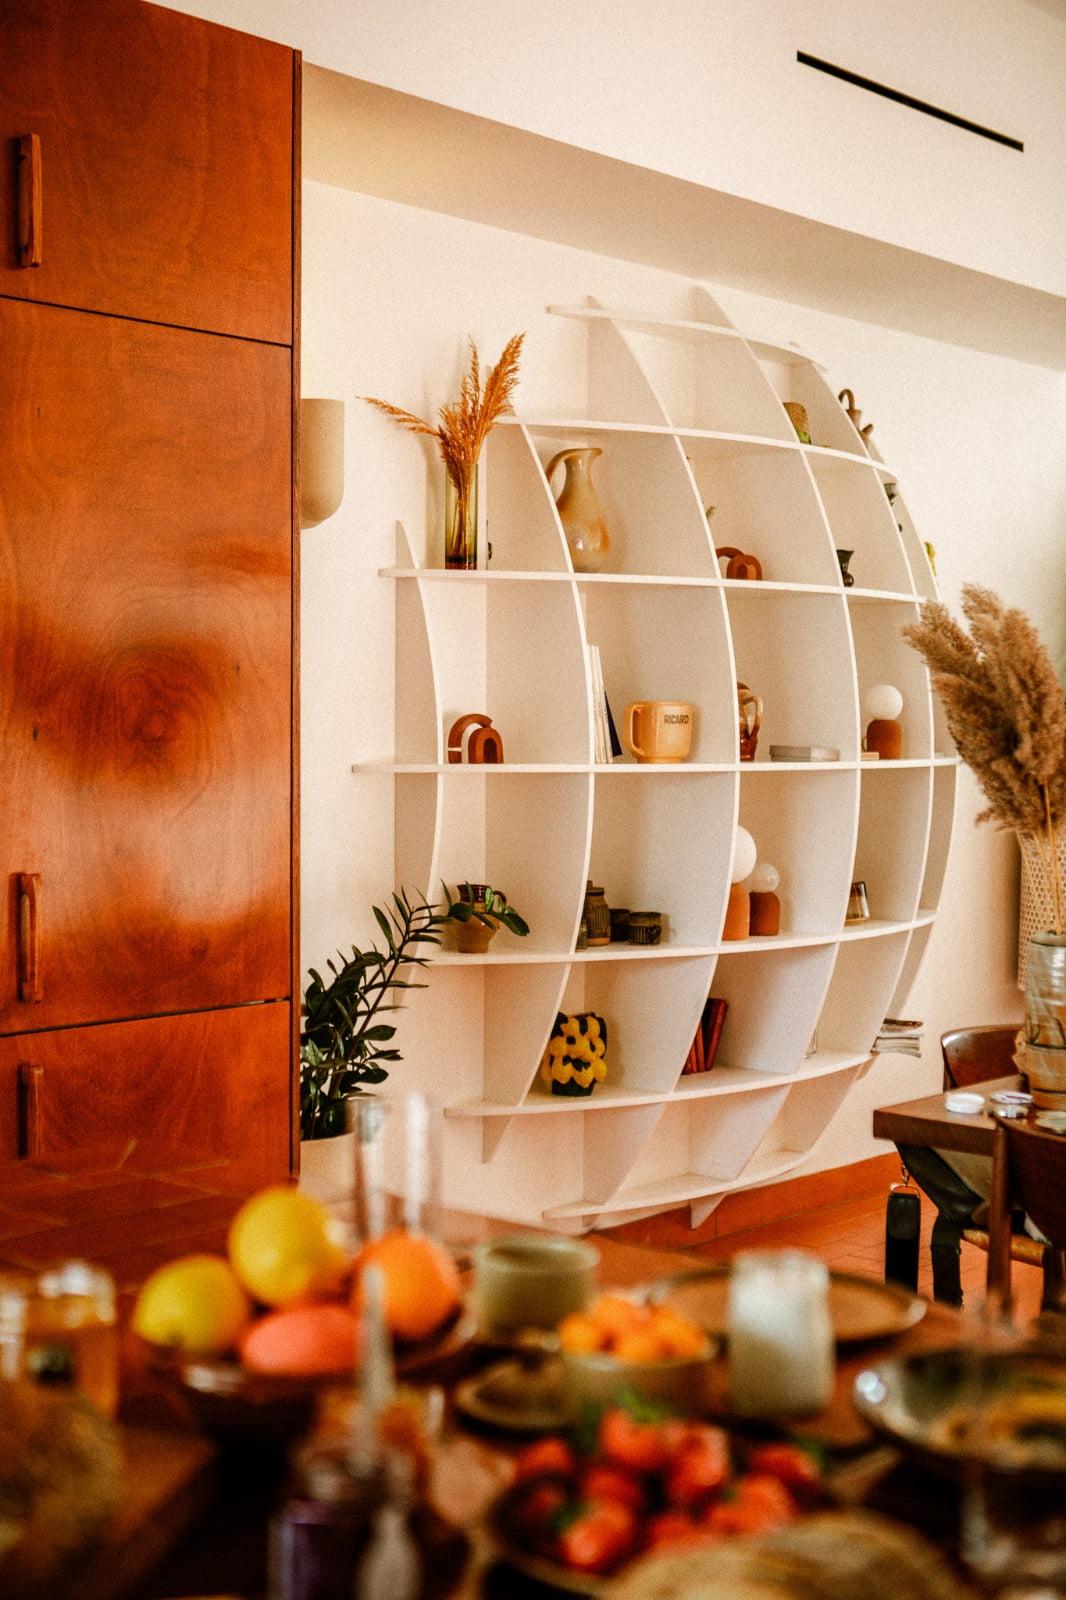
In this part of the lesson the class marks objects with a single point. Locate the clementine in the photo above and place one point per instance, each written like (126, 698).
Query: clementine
(422, 1287)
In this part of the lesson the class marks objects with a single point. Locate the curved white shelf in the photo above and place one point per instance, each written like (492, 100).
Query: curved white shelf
(786, 354)
(677, 1191)
(720, 1081)
(688, 413)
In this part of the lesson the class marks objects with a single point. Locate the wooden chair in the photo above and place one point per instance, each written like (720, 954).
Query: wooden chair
(971, 1056)
(1029, 1168)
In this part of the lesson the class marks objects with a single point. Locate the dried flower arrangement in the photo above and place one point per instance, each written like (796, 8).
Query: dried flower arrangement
(1006, 712)
(463, 427)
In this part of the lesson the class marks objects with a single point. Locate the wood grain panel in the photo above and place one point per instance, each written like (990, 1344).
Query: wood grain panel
(166, 165)
(207, 1091)
(145, 665)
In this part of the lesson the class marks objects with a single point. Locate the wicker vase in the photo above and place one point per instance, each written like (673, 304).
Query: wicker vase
(1037, 903)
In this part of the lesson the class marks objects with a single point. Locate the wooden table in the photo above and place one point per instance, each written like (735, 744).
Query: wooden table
(929, 1124)
(227, 1553)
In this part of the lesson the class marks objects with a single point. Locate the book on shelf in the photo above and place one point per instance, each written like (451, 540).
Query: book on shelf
(901, 1035)
(603, 748)
(704, 1045)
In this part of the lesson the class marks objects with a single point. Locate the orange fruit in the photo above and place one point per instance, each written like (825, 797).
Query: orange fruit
(679, 1337)
(615, 1316)
(422, 1287)
(580, 1335)
(639, 1345)
(302, 1341)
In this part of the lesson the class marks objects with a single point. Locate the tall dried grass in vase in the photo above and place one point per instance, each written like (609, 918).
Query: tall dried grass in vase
(1006, 712)
(463, 426)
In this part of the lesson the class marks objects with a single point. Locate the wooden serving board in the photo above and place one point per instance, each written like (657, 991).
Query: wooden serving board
(169, 1478)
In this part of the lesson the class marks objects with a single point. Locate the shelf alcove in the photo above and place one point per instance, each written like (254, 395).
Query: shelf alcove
(687, 412)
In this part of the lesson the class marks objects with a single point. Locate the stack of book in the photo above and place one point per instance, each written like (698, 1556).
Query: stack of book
(705, 1045)
(901, 1036)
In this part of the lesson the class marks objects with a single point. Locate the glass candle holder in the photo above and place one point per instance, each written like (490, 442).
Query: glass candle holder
(780, 1334)
(60, 1328)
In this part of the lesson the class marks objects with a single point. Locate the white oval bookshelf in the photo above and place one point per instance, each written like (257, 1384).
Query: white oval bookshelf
(688, 413)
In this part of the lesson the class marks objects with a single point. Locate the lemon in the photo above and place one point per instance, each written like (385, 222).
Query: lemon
(194, 1304)
(283, 1247)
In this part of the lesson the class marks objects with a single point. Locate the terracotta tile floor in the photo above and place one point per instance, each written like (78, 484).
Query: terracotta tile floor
(851, 1237)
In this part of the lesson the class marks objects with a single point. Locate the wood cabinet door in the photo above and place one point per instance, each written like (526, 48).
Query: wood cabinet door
(208, 1092)
(145, 669)
(161, 185)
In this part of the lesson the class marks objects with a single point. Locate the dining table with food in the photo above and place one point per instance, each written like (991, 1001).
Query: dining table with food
(453, 1406)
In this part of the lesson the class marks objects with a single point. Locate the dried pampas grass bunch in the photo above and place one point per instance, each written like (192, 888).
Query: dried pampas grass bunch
(1006, 712)
(466, 423)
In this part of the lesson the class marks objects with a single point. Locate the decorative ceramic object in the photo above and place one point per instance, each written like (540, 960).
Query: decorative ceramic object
(858, 905)
(321, 460)
(750, 707)
(738, 908)
(575, 1060)
(597, 915)
(1042, 1056)
(579, 508)
(740, 565)
(659, 730)
(797, 415)
(620, 924)
(460, 520)
(847, 578)
(645, 927)
(484, 745)
(765, 906)
(884, 733)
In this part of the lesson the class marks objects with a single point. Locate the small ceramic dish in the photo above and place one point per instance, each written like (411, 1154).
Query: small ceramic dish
(598, 1378)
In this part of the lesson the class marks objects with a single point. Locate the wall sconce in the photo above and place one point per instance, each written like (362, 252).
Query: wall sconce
(321, 459)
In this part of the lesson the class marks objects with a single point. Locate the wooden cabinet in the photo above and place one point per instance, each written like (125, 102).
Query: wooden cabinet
(161, 1094)
(161, 180)
(145, 667)
(147, 582)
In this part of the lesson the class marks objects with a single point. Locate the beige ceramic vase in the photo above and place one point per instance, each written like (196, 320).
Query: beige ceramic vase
(579, 509)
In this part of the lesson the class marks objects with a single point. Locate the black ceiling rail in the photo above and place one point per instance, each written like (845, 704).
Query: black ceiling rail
(906, 100)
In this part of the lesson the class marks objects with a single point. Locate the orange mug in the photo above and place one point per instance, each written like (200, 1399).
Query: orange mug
(659, 730)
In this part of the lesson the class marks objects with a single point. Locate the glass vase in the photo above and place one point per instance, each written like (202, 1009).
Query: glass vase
(460, 521)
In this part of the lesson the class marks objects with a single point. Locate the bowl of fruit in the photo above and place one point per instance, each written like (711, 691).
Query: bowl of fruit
(618, 1345)
(252, 1338)
(582, 1507)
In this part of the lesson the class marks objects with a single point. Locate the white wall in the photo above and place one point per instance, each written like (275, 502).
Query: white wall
(710, 91)
(390, 295)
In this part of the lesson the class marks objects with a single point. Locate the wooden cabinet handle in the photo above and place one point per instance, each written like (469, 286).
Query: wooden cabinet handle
(29, 1111)
(31, 986)
(31, 212)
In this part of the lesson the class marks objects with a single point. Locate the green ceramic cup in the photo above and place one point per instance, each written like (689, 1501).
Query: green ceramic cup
(532, 1281)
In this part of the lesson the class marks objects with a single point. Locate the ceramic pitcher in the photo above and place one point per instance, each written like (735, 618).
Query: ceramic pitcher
(579, 509)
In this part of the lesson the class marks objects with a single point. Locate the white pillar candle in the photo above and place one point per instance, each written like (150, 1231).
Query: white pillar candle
(780, 1335)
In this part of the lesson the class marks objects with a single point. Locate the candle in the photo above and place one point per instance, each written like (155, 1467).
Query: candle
(780, 1335)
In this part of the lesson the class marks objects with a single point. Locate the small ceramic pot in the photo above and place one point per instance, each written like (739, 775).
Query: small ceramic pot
(532, 1282)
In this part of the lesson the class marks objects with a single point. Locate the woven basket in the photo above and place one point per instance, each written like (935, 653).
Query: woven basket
(1036, 910)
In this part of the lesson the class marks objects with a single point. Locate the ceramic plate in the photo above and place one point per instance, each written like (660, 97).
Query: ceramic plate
(515, 1397)
(937, 1404)
(860, 1308)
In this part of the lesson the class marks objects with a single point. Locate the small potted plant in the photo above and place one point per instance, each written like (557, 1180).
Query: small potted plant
(345, 1042)
(477, 913)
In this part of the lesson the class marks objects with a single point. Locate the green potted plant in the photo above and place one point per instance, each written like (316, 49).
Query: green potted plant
(345, 1041)
(477, 913)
